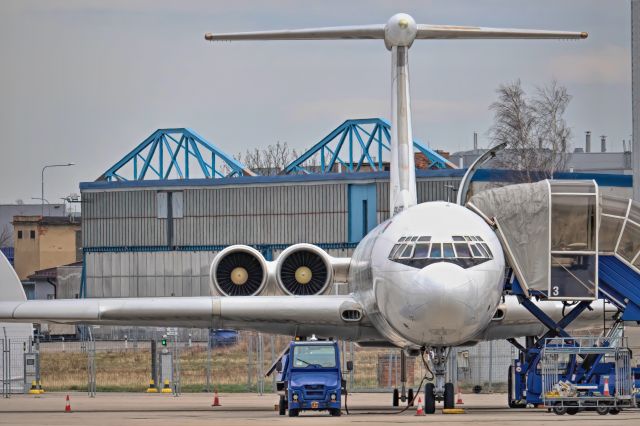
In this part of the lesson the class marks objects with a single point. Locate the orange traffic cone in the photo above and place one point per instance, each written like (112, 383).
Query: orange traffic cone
(67, 407)
(459, 399)
(216, 400)
(420, 409)
(606, 387)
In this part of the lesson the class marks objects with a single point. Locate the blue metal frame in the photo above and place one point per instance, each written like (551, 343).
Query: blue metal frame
(356, 143)
(620, 285)
(169, 153)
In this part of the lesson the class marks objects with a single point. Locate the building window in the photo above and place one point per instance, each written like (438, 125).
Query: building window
(32, 234)
(19, 235)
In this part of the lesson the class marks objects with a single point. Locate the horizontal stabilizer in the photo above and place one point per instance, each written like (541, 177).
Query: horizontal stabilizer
(328, 33)
(458, 32)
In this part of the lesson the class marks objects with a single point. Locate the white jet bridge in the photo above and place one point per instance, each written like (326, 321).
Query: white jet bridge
(566, 241)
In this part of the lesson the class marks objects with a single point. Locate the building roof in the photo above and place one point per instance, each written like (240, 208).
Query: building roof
(47, 220)
(50, 273)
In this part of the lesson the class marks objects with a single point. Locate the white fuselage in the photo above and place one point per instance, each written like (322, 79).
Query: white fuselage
(419, 292)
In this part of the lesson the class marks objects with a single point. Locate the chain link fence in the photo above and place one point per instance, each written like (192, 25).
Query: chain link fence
(200, 363)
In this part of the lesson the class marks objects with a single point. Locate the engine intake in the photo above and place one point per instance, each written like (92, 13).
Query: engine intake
(304, 269)
(239, 271)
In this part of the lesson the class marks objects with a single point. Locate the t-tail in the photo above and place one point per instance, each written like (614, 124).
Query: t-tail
(399, 34)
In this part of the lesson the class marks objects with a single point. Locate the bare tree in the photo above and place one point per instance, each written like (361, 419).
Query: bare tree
(5, 236)
(270, 160)
(534, 128)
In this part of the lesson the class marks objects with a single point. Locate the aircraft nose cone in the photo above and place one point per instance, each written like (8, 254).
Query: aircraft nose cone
(451, 302)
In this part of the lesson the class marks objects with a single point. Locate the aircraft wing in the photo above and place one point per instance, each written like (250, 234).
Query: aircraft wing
(326, 316)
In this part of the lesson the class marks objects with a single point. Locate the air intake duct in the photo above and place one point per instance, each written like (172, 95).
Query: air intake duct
(304, 269)
(238, 271)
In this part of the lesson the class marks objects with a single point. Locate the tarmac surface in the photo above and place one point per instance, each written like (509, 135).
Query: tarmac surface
(247, 409)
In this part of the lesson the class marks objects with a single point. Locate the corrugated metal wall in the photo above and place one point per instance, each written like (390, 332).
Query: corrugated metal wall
(263, 215)
(219, 216)
(428, 190)
(121, 219)
(147, 274)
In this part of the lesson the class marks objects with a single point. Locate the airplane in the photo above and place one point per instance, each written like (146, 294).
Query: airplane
(429, 278)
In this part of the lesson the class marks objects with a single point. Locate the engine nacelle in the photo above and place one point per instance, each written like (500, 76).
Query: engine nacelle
(238, 270)
(304, 269)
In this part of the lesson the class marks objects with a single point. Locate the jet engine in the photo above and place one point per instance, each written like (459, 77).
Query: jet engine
(238, 271)
(304, 269)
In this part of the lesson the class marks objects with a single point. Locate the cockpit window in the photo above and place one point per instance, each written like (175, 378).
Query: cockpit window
(447, 249)
(407, 252)
(462, 250)
(419, 251)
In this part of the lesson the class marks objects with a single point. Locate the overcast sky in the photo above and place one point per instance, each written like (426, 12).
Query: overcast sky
(86, 81)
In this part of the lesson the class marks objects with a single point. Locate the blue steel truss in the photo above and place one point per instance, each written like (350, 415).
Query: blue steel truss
(175, 154)
(354, 145)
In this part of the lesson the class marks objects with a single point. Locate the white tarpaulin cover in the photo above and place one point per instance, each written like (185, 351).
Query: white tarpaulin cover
(522, 213)
(549, 232)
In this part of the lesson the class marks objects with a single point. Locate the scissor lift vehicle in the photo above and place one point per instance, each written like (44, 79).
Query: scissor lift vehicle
(587, 373)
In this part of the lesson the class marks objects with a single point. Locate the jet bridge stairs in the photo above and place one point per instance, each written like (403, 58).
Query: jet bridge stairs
(573, 245)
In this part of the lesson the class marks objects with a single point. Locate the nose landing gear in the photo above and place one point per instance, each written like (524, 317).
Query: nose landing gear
(440, 391)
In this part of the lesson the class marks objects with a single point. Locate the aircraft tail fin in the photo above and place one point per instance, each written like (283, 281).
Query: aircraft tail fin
(10, 286)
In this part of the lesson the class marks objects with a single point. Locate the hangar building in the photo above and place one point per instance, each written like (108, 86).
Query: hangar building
(154, 221)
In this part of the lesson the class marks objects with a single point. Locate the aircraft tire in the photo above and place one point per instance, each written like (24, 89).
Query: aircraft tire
(410, 396)
(429, 399)
(396, 397)
(449, 396)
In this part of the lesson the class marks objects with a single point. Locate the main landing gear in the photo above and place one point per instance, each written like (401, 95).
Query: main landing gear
(402, 394)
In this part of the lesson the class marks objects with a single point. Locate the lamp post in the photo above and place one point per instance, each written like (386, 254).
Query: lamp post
(42, 181)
